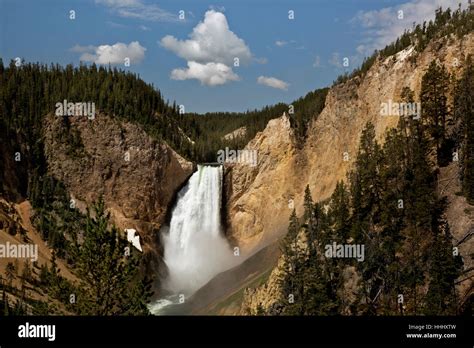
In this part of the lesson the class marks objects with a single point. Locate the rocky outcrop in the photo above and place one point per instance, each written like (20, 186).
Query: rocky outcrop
(238, 133)
(262, 197)
(137, 175)
(255, 192)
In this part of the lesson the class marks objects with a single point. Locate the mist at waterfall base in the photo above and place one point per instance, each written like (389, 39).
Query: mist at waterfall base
(195, 249)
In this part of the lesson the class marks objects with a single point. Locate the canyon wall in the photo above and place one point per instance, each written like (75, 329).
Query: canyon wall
(137, 176)
(263, 197)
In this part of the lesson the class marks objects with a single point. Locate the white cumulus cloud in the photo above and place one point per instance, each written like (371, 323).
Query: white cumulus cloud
(111, 54)
(210, 74)
(210, 51)
(273, 82)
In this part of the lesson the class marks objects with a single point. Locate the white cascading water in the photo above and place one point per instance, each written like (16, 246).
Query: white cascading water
(195, 249)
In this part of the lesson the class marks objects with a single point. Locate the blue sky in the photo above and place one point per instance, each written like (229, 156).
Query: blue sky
(280, 59)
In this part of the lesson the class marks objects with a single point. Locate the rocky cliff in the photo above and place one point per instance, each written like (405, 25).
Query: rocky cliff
(262, 197)
(137, 176)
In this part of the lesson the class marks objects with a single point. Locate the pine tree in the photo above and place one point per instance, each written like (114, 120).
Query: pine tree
(413, 267)
(44, 275)
(10, 273)
(366, 199)
(310, 221)
(291, 277)
(308, 283)
(419, 202)
(107, 272)
(308, 204)
(365, 184)
(434, 102)
(407, 95)
(339, 214)
(444, 268)
(27, 273)
(290, 241)
(317, 290)
(6, 307)
(323, 275)
(136, 300)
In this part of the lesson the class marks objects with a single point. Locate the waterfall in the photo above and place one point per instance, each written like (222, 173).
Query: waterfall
(195, 249)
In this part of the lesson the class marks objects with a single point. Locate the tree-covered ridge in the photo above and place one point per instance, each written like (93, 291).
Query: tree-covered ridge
(31, 91)
(208, 130)
(447, 25)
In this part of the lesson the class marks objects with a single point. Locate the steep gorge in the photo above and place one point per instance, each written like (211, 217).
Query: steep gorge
(139, 177)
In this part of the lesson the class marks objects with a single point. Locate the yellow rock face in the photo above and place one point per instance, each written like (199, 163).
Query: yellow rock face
(262, 198)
